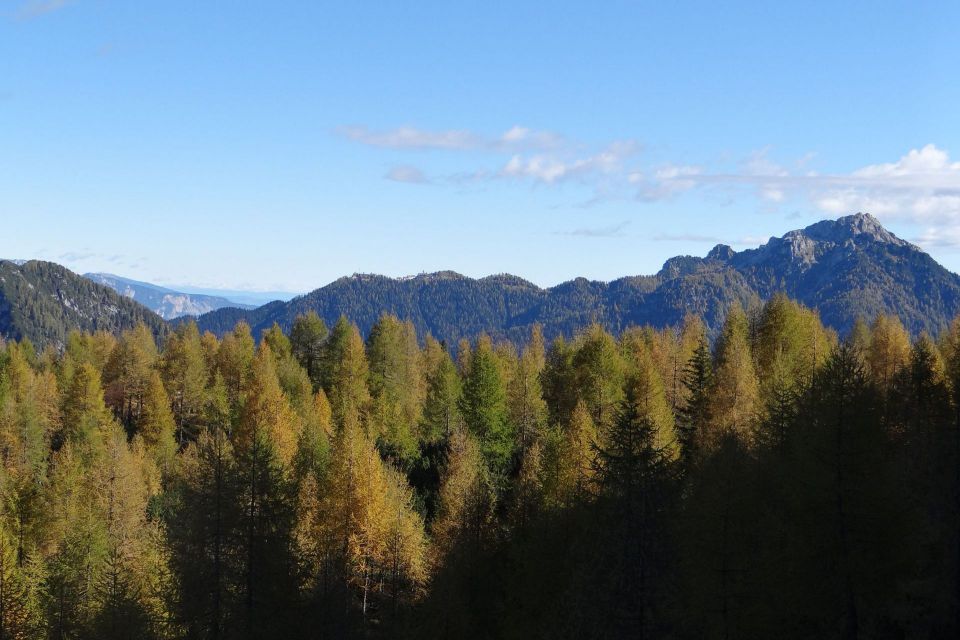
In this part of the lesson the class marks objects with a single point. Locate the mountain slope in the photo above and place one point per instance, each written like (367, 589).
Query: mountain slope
(166, 303)
(43, 301)
(843, 268)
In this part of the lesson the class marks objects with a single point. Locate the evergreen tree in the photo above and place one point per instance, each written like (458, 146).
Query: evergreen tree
(441, 414)
(558, 380)
(634, 476)
(307, 339)
(483, 406)
(694, 418)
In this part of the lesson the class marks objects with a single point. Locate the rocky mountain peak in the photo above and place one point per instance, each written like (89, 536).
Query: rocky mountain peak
(859, 227)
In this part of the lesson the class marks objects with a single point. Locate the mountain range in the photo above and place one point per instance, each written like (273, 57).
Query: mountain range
(844, 268)
(166, 303)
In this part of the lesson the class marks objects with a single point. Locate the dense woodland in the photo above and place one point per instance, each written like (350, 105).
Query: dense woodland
(776, 482)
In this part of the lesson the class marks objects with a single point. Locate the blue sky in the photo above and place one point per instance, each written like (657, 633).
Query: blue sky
(280, 145)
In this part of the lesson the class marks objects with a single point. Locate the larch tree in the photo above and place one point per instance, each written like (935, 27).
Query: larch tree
(736, 391)
(599, 371)
(569, 460)
(157, 425)
(307, 338)
(264, 442)
(395, 386)
(346, 371)
(441, 415)
(185, 375)
(526, 406)
(889, 351)
(127, 375)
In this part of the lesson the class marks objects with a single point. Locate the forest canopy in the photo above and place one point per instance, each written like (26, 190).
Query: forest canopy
(775, 482)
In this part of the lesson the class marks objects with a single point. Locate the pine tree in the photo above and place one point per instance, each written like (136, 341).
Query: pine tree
(694, 417)
(634, 475)
(203, 531)
(441, 415)
(307, 339)
(558, 380)
(484, 410)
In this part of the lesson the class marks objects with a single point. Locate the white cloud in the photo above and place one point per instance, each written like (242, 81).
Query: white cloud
(940, 237)
(611, 231)
(412, 138)
(552, 168)
(406, 173)
(515, 139)
(666, 181)
(921, 187)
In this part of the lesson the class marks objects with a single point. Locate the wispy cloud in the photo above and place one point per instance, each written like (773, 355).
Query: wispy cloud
(612, 231)
(553, 168)
(35, 8)
(412, 138)
(537, 157)
(406, 173)
(922, 187)
(516, 138)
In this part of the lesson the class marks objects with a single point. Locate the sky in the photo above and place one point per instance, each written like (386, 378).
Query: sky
(281, 145)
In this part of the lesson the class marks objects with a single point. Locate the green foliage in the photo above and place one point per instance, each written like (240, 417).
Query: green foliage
(484, 408)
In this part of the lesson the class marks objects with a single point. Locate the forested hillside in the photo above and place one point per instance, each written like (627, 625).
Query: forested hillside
(43, 302)
(328, 483)
(845, 268)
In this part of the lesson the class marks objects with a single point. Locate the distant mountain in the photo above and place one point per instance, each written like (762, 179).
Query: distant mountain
(166, 303)
(241, 296)
(43, 301)
(843, 268)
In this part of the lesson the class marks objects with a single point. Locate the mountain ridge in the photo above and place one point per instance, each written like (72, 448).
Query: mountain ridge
(44, 301)
(844, 268)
